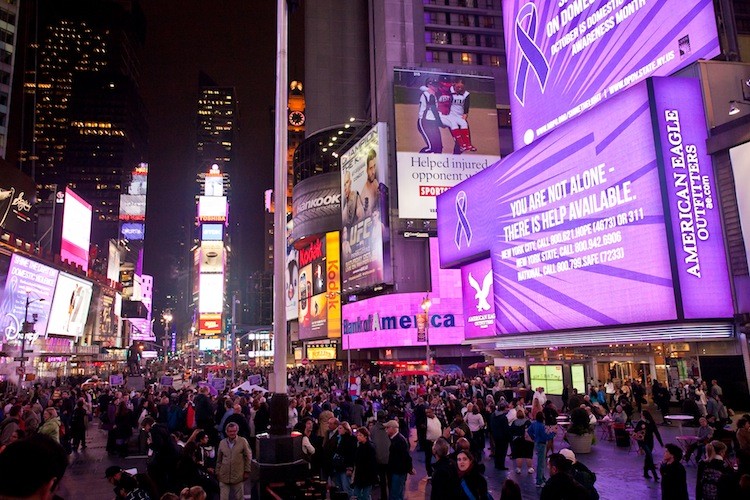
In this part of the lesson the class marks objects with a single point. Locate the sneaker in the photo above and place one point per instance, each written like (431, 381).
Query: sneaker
(518, 470)
(531, 470)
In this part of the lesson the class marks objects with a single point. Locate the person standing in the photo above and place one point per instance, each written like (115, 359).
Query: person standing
(78, 426)
(51, 425)
(501, 433)
(538, 432)
(673, 476)
(382, 443)
(433, 431)
(399, 461)
(365, 466)
(428, 122)
(472, 483)
(445, 474)
(644, 433)
(233, 464)
(561, 484)
(716, 479)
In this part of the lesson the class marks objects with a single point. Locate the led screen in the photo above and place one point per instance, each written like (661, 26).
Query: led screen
(212, 208)
(365, 234)
(319, 288)
(70, 306)
(580, 213)
(209, 324)
(211, 295)
(478, 299)
(26, 278)
(106, 321)
(548, 376)
(565, 57)
(212, 232)
(212, 257)
(133, 231)
(17, 201)
(445, 133)
(209, 344)
(291, 276)
(76, 230)
(578, 378)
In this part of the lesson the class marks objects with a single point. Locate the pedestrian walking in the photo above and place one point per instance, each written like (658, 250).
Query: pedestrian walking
(539, 434)
(233, 464)
(644, 432)
(500, 430)
(399, 461)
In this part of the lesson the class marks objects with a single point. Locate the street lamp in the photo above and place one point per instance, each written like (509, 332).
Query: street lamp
(27, 328)
(167, 317)
(192, 350)
(426, 304)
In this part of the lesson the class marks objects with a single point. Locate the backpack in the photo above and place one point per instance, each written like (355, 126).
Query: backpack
(587, 479)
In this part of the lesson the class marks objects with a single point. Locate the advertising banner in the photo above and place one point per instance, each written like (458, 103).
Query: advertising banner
(106, 321)
(319, 296)
(333, 285)
(316, 205)
(212, 232)
(693, 206)
(291, 276)
(209, 344)
(212, 208)
(209, 324)
(580, 212)
(26, 278)
(70, 306)
(321, 353)
(565, 57)
(364, 212)
(133, 207)
(446, 131)
(212, 257)
(133, 231)
(479, 301)
(211, 295)
(76, 230)
(17, 199)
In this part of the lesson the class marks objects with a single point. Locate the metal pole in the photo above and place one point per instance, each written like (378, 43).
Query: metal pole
(427, 338)
(279, 232)
(24, 331)
(233, 333)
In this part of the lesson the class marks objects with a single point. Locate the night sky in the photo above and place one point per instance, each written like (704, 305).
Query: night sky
(234, 42)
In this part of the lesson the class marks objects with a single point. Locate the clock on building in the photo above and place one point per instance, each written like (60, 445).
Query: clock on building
(297, 118)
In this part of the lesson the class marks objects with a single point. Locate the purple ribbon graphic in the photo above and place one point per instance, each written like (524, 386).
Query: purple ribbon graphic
(462, 226)
(530, 52)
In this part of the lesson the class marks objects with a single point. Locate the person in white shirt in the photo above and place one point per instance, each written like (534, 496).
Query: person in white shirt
(475, 421)
(433, 432)
(292, 412)
(512, 415)
(609, 388)
(540, 395)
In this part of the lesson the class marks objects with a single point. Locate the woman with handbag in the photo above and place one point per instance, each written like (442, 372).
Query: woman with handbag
(521, 445)
(644, 433)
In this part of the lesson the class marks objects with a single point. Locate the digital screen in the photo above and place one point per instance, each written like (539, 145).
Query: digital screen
(564, 57)
(212, 232)
(214, 184)
(133, 230)
(212, 257)
(479, 299)
(212, 208)
(445, 133)
(76, 230)
(209, 344)
(142, 327)
(548, 376)
(70, 306)
(291, 276)
(106, 321)
(26, 279)
(209, 324)
(319, 288)
(580, 212)
(17, 202)
(211, 296)
(578, 378)
(365, 236)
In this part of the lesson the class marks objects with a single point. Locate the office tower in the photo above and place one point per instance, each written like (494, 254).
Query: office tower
(216, 123)
(8, 23)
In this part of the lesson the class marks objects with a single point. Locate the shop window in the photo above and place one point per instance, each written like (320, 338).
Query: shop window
(547, 376)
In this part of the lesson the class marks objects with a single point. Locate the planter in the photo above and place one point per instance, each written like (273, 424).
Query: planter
(580, 443)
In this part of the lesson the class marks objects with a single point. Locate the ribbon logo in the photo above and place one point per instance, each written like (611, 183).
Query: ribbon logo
(531, 54)
(462, 227)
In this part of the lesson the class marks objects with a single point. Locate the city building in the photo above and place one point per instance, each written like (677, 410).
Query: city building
(8, 29)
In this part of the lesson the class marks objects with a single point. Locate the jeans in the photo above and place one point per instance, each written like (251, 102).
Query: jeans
(398, 487)
(648, 464)
(427, 448)
(540, 461)
(343, 481)
(362, 492)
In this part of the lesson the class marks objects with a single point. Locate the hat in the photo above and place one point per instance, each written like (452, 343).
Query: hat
(391, 423)
(568, 454)
(111, 471)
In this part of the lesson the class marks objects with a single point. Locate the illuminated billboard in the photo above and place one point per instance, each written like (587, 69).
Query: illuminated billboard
(17, 200)
(133, 231)
(577, 223)
(212, 232)
(70, 306)
(106, 321)
(133, 202)
(211, 295)
(214, 182)
(212, 208)
(478, 299)
(26, 278)
(209, 324)
(566, 57)
(316, 205)
(291, 297)
(320, 288)
(76, 230)
(446, 131)
(365, 233)
(212, 257)
(209, 344)
(143, 328)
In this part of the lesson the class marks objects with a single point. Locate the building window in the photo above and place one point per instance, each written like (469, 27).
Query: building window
(488, 22)
(463, 20)
(468, 40)
(434, 18)
(440, 37)
(467, 58)
(490, 41)
(495, 61)
(437, 56)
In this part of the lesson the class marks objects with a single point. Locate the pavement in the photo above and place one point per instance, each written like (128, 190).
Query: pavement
(618, 470)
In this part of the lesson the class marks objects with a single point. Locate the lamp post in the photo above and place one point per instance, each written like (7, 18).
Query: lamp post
(192, 350)
(426, 304)
(167, 317)
(27, 328)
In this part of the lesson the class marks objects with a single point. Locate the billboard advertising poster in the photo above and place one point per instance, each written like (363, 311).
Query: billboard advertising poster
(70, 306)
(209, 324)
(446, 131)
(26, 276)
(578, 212)
(17, 199)
(211, 295)
(133, 230)
(365, 234)
(212, 257)
(291, 276)
(76, 230)
(319, 288)
(105, 322)
(316, 205)
(478, 299)
(212, 232)
(693, 204)
(566, 57)
(209, 344)
(212, 208)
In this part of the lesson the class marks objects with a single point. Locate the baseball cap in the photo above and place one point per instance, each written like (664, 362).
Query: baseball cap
(111, 471)
(391, 423)
(568, 454)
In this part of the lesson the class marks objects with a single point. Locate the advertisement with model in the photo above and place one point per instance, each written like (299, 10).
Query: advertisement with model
(17, 199)
(446, 131)
(70, 306)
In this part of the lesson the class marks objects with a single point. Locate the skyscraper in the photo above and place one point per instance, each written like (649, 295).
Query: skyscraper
(84, 122)
(8, 22)
(217, 119)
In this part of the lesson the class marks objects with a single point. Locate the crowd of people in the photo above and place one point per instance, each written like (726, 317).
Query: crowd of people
(199, 441)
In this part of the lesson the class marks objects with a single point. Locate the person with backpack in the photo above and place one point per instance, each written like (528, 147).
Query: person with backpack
(581, 473)
(715, 479)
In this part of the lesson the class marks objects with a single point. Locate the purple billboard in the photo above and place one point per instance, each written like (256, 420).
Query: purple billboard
(575, 223)
(26, 276)
(567, 56)
(479, 301)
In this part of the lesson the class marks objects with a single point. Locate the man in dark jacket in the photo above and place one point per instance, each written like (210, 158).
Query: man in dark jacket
(382, 444)
(420, 420)
(238, 418)
(162, 464)
(581, 473)
(203, 409)
(445, 484)
(673, 475)
(561, 485)
(399, 461)
(501, 434)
